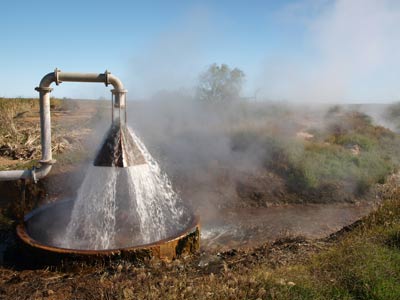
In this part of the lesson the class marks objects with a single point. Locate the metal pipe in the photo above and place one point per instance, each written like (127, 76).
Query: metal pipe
(45, 121)
(106, 78)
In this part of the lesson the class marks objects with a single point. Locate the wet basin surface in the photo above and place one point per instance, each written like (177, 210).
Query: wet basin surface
(45, 223)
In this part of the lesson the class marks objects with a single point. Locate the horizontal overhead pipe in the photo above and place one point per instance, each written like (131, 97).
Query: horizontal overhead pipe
(44, 90)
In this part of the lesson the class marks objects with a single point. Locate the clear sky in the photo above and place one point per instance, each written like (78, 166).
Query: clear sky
(301, 50)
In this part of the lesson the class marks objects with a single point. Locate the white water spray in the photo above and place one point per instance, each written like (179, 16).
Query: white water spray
(157, 203)
(121, 207)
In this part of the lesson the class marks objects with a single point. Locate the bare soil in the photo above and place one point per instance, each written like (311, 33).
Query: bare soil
(184, 278)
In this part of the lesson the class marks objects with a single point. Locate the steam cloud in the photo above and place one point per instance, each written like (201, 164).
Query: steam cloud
(351, 53)
(339, 51)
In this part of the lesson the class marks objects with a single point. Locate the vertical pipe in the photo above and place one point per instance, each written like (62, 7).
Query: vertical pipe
(123, 106)
(112, 108)
(45, 124)
(119, 115)
(125, 119)
(120, 104)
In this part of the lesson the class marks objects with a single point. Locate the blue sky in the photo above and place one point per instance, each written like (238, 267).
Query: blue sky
(300, 50)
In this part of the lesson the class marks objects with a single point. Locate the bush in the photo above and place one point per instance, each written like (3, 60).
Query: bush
(352, 139)
(319, 164)
(351, 154)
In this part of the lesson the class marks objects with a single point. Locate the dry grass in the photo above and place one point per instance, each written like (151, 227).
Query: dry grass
(20, 131)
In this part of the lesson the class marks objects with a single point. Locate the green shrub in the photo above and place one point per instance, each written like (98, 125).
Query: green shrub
(319, 164)
(364, 269)
(330, 159)
(351, 139)
(393, 238)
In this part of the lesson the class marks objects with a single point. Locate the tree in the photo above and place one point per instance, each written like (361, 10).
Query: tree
(220, 84)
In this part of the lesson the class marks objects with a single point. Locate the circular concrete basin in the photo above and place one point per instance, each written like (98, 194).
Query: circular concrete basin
(41, 224)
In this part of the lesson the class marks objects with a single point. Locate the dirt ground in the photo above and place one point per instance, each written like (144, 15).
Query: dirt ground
(127, 281)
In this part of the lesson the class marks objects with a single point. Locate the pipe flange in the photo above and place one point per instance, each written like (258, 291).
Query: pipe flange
(48, 162)
(107, 80)
(56, 77)
(43, 89)
(119, 91)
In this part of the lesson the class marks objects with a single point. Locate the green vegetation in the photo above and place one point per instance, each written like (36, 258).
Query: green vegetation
(320, 164)
(350, 153)
(351, 149)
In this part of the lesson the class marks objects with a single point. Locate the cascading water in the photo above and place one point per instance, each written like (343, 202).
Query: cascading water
(158, 206)
(93, 216)
(120, 207)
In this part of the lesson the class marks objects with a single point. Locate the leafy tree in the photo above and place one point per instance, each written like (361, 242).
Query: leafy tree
(220, 84)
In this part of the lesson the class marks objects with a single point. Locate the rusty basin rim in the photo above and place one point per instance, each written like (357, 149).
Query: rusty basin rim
(26, 238)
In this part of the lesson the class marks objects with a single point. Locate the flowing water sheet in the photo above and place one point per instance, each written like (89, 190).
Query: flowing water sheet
(121, 207)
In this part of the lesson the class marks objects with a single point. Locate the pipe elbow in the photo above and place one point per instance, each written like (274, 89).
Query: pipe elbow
(47, 80)
(115, 82)
(41, 172)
